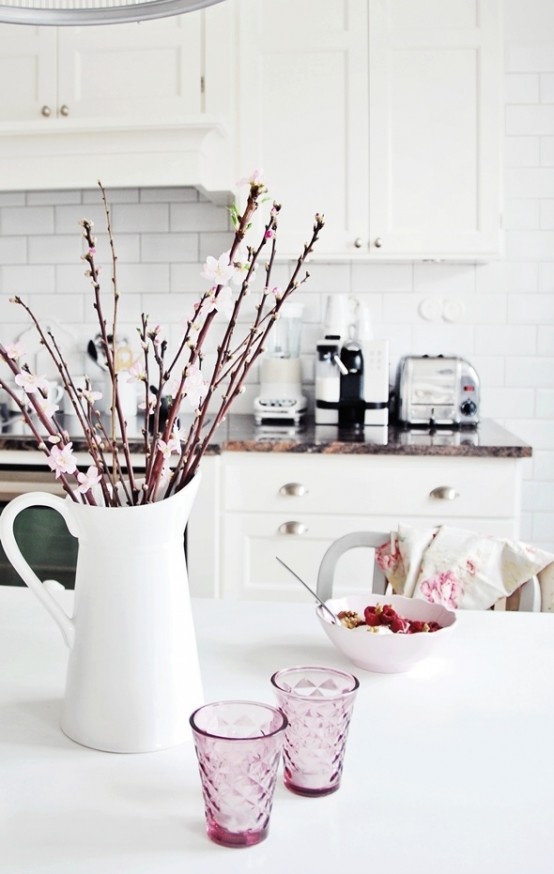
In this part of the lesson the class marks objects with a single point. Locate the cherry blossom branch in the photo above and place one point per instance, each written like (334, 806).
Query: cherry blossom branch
(166, 386)
(109, 351)
(247, 359)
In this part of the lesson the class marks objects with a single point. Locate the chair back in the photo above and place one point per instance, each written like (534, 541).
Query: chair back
(527, 598)
(329, 561)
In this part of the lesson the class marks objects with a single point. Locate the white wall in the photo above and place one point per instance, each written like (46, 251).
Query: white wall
(507, 329)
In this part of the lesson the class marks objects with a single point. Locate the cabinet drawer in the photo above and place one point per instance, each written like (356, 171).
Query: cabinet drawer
(251, 542)
(379, 485)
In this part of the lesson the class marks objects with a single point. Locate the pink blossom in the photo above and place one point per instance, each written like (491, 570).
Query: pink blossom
(170, 446)
(443, 588)
(277, 291)
(242, 264)
(88, 395)
(155, 335)
(136, 372)
(172, 386)
(88, 480)
(151, 404)
(195, 386)
(255, 178)
(218, 270)
(47, 407)
(62, 460)
(223, 303)
(31, 383)
(14, 350)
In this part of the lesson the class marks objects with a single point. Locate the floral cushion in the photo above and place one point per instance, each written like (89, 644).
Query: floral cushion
(456, 567)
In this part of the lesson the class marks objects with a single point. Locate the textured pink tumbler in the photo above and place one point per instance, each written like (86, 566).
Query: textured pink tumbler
(318, 704)
(238, 746)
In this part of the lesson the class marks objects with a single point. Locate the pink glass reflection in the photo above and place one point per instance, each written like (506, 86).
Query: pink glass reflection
(317, 702)
(238, 746)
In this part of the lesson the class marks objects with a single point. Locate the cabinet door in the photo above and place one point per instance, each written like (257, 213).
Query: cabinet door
(131, 72)
(303, 114)
(28, 73)
(251, 543)
(435, 74)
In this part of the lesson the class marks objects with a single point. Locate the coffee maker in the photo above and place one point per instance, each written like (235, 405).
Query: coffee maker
(281, 401)
(352, 369)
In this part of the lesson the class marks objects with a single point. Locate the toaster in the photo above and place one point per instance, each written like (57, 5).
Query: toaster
(437, 391)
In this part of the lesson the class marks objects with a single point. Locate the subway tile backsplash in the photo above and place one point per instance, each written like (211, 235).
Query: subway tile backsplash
(503, 311)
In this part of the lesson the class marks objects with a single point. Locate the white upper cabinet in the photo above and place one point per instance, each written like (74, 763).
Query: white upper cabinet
(384, 115)
(136, 71)
(27, 71)
(303, 97)
(434, 133)
(137, 104)
(151, 70)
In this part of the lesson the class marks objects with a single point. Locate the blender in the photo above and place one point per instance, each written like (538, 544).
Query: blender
(281, 401)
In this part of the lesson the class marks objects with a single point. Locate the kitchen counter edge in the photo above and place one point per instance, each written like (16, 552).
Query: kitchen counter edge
(240, 434)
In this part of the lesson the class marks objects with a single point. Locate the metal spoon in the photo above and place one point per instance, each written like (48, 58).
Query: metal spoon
(310, 590)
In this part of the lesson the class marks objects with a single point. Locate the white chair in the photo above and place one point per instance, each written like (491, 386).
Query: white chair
(526, 599)
(326, 573)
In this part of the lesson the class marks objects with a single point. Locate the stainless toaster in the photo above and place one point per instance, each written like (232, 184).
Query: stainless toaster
(437, 390)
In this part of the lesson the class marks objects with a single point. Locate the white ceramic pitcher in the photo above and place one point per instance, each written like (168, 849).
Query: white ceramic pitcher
(133, 674)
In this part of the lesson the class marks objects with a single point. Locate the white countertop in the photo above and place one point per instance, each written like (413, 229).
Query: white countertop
(449, 767)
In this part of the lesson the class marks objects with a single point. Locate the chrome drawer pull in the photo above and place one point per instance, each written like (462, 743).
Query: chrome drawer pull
(444, 493)
(295, 528)
(295, 489)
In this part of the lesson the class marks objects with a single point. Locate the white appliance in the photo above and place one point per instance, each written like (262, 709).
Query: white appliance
(281, 399)
(352, 369)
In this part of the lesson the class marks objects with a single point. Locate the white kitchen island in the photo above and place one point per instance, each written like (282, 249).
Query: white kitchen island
(449, 767)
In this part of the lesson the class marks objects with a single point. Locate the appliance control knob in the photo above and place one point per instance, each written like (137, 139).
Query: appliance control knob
(468, 407)
(46, 111)
(378, 242)
(358, 243)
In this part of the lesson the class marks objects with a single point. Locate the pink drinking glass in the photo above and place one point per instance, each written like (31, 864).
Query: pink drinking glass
(238, 746)
(318, 704)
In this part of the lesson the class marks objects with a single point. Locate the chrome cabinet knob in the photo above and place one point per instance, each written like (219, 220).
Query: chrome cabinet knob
(444, 493)
(46, 111)
(378, 242)
(64, 110)
(294, 528)
(294, 489)
(358, 243)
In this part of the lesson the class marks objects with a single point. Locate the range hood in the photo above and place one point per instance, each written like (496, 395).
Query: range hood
(195, 151)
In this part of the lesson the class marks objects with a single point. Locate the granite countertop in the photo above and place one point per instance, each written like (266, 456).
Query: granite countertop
(489, 439)
(238, 433)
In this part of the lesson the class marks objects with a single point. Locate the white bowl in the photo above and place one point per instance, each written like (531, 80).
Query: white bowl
(387, 653)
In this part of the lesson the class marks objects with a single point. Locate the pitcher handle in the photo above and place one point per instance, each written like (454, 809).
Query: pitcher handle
(9, 543)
